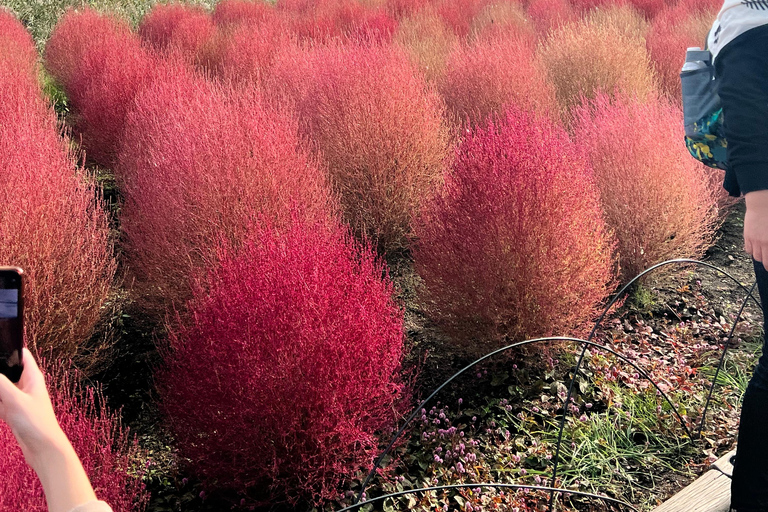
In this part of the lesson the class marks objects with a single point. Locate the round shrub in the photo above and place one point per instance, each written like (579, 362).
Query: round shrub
(585, 58)
(483, 78)
(291, 356)
(52, 224)
(514, 246)
(547, 15)
(108, 454)
(458, 14)
(624, 18)
(101, 65)
(245, 52)
(658, 200)
(235, 12)
(500, 18)
(17, 49)
(427, 41)
(200, 162)
(177, 27)
(671, 33)
(378, 128)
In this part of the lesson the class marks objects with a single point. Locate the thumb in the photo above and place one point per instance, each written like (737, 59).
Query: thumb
(9, 393)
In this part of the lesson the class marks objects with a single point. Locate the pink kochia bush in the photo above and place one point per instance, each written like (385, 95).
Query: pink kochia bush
(177, 27)
(378, 127)
(235, 12)
(660, 201)
(109, 456)
(200, 162)
(73, 37)
(17, 49)
(52, 219)
(291, 356)
(482, 79)
(245, 52)
(101, 79)
(514, 246)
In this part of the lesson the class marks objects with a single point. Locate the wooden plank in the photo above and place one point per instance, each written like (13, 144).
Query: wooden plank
(711, 492)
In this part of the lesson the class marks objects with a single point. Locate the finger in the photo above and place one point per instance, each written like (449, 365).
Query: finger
(748, 246)
(757, 253)
(31, 376)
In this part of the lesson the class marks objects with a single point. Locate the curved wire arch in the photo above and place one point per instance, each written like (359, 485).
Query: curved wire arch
(568, 396)
(356, 506)
(586, 342)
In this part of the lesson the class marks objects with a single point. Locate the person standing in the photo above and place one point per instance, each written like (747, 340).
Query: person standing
(739, 45)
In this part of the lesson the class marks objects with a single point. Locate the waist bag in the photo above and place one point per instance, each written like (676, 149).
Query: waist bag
(702, 110)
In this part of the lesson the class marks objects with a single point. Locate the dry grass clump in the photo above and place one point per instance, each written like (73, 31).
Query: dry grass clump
(427, 41)
(625, 18)
(585, 58)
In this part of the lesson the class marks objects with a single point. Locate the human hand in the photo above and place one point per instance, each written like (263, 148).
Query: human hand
(26, 407)
(756, 226)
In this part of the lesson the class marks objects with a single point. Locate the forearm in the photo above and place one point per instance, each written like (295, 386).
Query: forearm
(62, 475)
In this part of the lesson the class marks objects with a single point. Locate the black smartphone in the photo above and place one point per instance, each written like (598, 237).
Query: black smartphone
(11, 322)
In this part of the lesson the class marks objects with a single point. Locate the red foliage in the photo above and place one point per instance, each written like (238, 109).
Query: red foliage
(74, 35)
(660, 202)
(325, 20)
(377, 126)
(458, 14)
(16, 46)
(234, 12)
(178, 27)
(245, 52)
(672, 31)
(650, 8)
(52, 223)
(100, 78)
(482, 79)
(402, 8)
(582, 6)
(105, 448)
(550, 14)
(514, 246)
(201, 162)
(291, 356)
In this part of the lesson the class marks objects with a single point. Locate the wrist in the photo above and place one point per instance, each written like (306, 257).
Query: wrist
(64, 481)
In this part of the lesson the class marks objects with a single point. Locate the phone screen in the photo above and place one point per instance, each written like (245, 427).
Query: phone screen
(11, 324)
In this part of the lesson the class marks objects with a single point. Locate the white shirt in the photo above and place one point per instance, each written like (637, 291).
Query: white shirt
(735, 18)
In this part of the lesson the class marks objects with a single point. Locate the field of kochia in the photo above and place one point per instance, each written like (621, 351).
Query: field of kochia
(269, 163)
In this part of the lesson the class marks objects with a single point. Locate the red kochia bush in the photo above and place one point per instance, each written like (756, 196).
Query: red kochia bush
(201, 162)
(112, 67)
(234, 12)
(291, 356)
(672, 31)
(52, 223)
(659, 200)
(485, 77)
(17, 49)
(514, 246)
(76, 33)
(245, 52)
(178, 27)
(378, 127)
(548, 15)
(108, 454)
